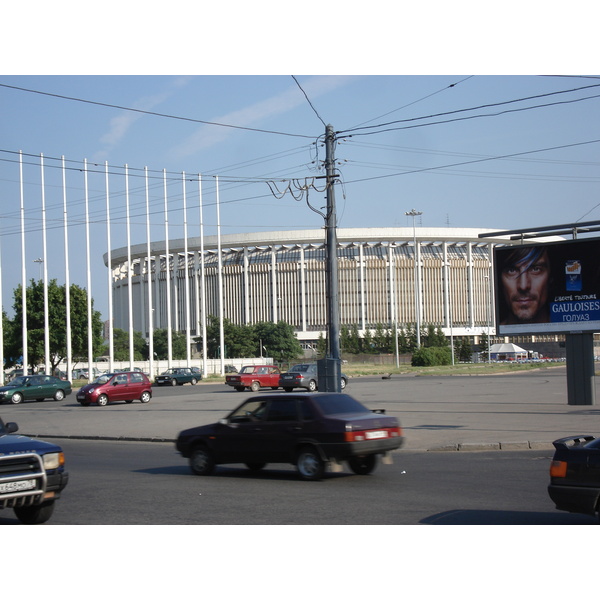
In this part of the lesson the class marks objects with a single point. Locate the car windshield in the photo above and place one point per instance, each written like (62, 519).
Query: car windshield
(299, 368)
(249, 369)
(335, 404)
(100, 380)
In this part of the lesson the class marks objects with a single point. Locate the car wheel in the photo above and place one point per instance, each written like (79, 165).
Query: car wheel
(59, 395)
(102, 400)
(202, 461)
(34, 515)
(256, 466)
(128, 401)
(145, 397)
(194, 381)
(343, 384)
(17, 398)
(39, 399)
(239, 388)
(309, 464)
(173, 381)
(255, 386)
(312, 386)
(288, 389)
(363, 465)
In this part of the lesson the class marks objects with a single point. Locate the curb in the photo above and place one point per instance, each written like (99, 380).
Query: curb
(486, 447)
(459, 447)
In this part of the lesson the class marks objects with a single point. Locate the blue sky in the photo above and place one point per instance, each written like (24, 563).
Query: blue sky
(434, 143)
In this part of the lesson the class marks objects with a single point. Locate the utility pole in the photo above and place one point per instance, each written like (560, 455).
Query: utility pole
(329, 368)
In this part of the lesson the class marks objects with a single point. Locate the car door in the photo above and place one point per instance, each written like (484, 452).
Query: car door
(120, 387)
(33, 387)
(279, 430)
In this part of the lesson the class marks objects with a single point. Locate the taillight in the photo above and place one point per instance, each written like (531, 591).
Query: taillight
(372, 434)
(558, 468)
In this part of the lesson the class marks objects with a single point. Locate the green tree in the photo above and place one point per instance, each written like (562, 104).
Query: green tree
(279, 340)
(161, 347)
(121, 345)
(57, 323)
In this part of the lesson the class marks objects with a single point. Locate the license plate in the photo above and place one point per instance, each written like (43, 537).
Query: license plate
(374, 435)
(17, 486)
(80, 396)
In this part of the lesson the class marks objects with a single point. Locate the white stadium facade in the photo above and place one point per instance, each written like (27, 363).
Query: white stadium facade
(280, 276)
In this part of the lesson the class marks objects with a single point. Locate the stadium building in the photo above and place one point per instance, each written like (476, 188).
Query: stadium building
(388, 276)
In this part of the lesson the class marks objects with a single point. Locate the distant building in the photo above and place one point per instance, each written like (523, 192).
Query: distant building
(280, 275)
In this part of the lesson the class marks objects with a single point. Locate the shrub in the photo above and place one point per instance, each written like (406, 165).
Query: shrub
(431, 357)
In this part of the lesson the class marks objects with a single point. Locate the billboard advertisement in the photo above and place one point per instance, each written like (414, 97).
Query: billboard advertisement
(548, 287)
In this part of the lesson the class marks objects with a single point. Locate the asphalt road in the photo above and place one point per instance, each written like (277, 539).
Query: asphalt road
(136, 483)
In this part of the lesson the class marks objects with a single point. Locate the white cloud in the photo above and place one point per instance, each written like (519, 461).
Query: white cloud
(209, 135)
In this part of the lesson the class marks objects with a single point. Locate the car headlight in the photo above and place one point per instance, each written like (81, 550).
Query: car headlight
(54, 460)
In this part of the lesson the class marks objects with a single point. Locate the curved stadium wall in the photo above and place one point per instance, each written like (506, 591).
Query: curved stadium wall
(277, 276)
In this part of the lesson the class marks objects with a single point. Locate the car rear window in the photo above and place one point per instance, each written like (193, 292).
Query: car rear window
(335, 404)
(299, 369)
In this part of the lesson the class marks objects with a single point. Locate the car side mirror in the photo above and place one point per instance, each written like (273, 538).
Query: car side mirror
(11, 427)
(115, 383)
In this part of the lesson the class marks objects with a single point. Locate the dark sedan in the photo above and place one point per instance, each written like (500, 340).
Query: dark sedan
(178, 376)
(35, 387)
(575, 474)
(311, 431)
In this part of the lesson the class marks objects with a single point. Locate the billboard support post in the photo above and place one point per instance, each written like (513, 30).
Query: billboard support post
(580, 368)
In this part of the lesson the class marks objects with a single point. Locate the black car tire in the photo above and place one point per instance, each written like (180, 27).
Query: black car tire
(39, 399)
(59, 395)
(145, 397)
(288, 389)
(256, 466)
(363, 465)
(255, 386)
(173, 381)
(239, 388)
(312, 386)
(202, 461)
(102, 400)
(194, 381)
(17, 398)
(128, 401)
(34, 515)
(309, 464)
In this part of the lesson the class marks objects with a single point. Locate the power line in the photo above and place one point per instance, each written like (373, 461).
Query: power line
(308, 100)
(155, 114)
(462, 110)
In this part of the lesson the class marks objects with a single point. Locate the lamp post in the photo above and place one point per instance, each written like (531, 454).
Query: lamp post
(40, 261)
(415, 213)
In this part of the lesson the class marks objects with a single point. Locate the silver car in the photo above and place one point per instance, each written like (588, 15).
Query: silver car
(304, 376)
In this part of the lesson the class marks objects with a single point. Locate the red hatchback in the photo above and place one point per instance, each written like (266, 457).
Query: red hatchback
(116, 387)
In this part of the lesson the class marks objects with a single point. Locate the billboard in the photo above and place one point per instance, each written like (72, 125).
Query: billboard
(548, 287)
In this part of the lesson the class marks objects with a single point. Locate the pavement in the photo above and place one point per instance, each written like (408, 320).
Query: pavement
(518, 411)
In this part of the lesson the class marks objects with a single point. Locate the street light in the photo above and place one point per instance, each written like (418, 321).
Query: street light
(415, 213)
(40, 262)
(489, 316)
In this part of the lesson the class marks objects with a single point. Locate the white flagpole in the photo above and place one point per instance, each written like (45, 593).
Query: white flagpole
(129, 269)
(90, 346)
(202, 282)
(149, 287)
(67, 275)
(167, 275)
(23, 271)
(111, 346)
(220, 268)
(188, 341)
(47, 367)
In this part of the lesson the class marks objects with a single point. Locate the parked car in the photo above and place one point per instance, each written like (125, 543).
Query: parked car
(254, 377)
(575, 474)
(34, 387)
(116, 387)
(230, 369)
(178, 376)
(32, 475)
(310, 431)
(305, 376)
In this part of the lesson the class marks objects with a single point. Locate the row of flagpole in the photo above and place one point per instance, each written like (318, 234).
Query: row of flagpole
(201, 301)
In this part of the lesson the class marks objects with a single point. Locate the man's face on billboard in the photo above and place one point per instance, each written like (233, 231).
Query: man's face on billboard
(526, 288)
